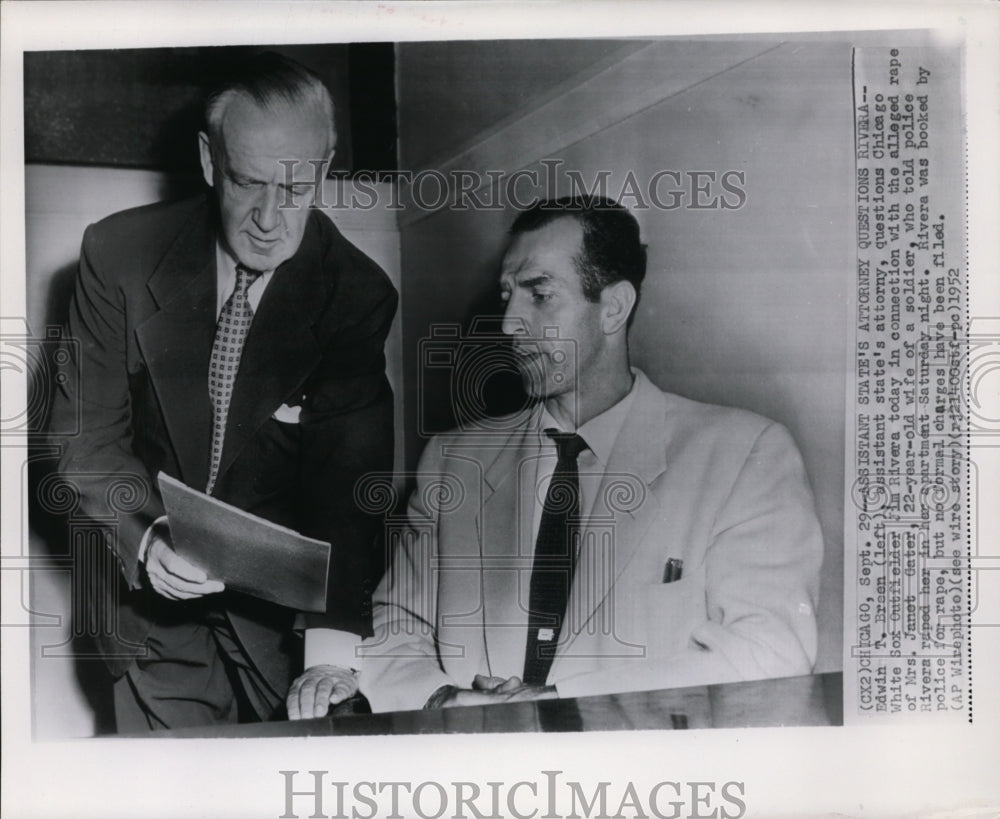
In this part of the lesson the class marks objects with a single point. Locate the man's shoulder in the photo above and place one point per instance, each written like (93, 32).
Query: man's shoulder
(164, 218)
(127, 246)
(712, 417)
(355, 269)
(489, 437)
(700, 422)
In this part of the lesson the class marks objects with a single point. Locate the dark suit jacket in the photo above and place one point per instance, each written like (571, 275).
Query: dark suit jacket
(144, 317)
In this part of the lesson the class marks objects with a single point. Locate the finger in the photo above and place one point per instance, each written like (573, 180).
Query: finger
(483, 683)
(179, 567)
(306, 698)
(532, 692)
(512, 684)
(324, 692)
(292, 701)
(179, 596)
(466, 696)
(173, 594)
(345, 688)
(176, 589)
(164, 589)
(186, 588)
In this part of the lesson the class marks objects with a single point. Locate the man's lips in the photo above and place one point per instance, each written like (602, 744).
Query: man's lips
(527, 356)
(264, 243)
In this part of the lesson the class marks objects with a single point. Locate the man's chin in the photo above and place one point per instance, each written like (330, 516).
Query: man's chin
(257, 259)
(534, 386)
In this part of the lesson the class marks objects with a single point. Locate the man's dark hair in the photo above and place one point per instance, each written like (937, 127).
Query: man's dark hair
(269, 78)
(611, 252)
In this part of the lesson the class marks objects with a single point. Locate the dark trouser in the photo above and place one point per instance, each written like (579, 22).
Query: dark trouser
(195, 673)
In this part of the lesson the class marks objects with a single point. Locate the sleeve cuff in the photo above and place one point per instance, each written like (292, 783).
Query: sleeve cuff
(148, 536)
(327, 646)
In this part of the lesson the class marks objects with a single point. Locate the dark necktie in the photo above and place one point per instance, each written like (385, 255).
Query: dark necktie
(555, 558)
(230, 334)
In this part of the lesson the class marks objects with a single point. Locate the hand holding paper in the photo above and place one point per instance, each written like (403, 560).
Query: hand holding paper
(247, 553)
(173, 577)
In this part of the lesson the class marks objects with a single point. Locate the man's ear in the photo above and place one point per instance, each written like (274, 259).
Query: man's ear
(331, 153)
(327, 164)
(617, 301)
(205, 154)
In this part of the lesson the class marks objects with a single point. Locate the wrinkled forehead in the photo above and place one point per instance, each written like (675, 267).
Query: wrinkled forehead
(553, 250)
(261, 138)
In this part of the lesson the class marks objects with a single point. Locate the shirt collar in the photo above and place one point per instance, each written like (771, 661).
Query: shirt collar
(225, 277)
(600, 431)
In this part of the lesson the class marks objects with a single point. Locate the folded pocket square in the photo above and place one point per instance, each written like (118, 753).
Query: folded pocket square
(287, 414)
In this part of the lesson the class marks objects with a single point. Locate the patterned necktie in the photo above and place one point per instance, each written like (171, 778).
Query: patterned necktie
(555, 558)
(230, 334)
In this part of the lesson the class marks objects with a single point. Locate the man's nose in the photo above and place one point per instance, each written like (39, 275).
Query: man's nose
(266, 214)
(513, 323)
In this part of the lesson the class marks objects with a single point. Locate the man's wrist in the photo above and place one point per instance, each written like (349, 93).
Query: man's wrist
(327, 646)
(155, 528)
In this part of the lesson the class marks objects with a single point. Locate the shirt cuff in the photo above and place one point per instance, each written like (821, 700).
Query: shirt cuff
(148, 536)
(327, 646)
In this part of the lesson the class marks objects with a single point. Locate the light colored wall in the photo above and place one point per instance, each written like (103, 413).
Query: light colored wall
(742, 307)
(475, 84)
(60, 202)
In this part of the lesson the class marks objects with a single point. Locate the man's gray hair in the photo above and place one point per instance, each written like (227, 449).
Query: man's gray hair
(269, 78)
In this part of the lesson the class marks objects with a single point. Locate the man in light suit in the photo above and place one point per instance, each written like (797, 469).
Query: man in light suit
(306, 411)
(693, 550)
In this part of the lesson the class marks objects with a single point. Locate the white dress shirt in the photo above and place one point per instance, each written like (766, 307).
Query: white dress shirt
(328, 647)
(600, 433)
(225, 281)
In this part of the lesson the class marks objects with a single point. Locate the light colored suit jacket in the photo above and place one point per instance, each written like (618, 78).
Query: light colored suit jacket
(721, 489)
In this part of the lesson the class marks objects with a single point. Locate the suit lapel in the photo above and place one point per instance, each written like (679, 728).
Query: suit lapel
(622, 512)
(176, 343)
(507, 550)
(280, 349)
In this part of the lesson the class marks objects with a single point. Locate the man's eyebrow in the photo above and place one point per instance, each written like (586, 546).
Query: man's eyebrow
(534, 281)
(236, 176)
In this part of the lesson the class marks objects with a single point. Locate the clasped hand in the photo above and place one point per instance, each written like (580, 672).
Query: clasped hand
(319, 687)
(492, 690)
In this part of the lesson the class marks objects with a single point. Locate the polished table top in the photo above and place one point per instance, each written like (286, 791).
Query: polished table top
(810, 700)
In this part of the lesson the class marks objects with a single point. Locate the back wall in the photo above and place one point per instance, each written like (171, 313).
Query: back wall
(743, 305)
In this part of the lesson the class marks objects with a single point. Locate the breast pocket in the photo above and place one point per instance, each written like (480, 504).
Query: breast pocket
(672, 612)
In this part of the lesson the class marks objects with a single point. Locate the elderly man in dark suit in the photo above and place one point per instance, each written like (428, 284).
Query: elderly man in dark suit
(235, 342)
